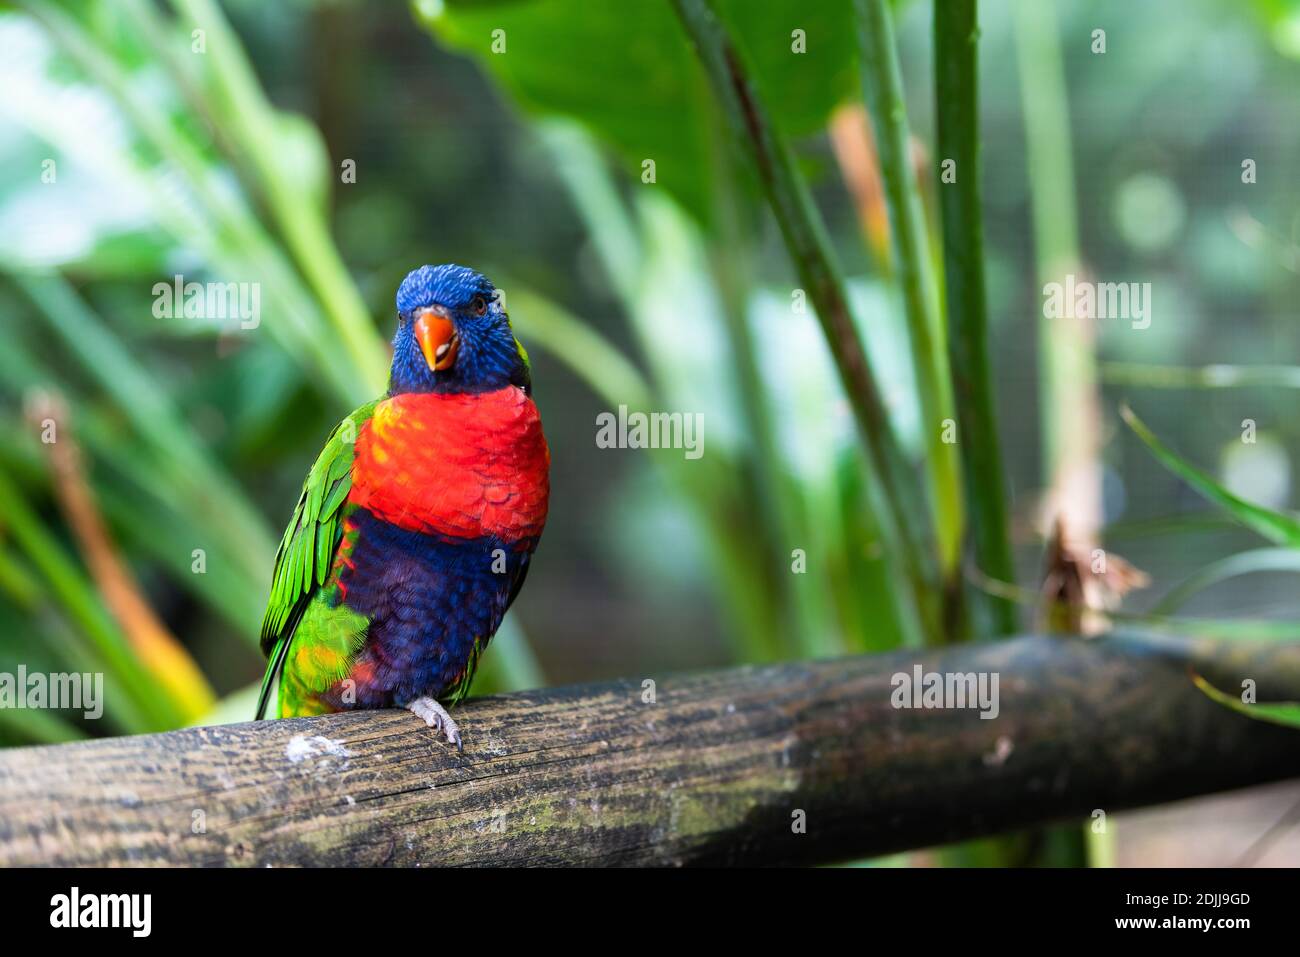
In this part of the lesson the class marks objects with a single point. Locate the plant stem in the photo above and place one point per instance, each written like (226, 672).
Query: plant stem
(1068, 373)
(905, 521)
(883, 90)
(1070, 424)
(956, 94)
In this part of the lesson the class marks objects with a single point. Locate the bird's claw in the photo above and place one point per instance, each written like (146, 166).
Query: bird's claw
(436, 717)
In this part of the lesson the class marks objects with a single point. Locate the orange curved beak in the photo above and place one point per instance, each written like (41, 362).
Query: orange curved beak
(437, 338)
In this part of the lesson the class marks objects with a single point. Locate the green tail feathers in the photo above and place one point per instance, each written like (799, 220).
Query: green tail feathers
(268, 680)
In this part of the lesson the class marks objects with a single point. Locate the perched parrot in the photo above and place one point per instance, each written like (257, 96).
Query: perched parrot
(416, 525)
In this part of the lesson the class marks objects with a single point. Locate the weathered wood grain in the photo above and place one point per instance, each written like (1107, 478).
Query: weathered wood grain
(713, 771)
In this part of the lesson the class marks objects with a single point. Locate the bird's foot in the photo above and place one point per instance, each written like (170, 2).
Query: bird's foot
(436, 717)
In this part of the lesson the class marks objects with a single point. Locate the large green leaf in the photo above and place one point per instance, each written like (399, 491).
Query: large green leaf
(1277, 527)
(626, 71)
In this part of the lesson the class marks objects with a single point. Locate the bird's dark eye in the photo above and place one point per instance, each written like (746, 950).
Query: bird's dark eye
(479, 305)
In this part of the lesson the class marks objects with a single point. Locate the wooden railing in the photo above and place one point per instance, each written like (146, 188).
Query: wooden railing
(804, 762)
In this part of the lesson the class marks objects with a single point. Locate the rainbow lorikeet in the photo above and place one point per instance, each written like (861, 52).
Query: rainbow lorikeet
(416, 525)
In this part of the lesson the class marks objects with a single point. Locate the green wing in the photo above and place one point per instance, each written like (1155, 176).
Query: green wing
(307, 549)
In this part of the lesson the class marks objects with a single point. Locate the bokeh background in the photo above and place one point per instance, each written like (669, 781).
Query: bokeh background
(323, 149)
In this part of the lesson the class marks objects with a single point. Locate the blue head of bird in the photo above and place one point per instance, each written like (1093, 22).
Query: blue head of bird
(453, 335)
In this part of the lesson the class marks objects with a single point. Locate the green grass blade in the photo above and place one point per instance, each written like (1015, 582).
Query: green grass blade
(136, 393)
(1144, 375)
(1236, 628)
(1286, 713)
(149, 708)
(1244, 563)
(1277, 527)
(247, 114)
(226, 232)
(30, 726)
(509, 663)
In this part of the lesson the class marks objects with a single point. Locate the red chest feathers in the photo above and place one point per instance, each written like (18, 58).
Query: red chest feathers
(459, 465)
